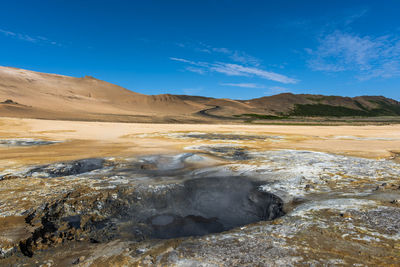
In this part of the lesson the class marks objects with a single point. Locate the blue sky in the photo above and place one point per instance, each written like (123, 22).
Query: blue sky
(227, 49)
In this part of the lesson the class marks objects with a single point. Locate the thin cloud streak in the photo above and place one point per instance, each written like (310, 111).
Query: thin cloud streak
(243, 85)
(23, 37)
(237, 70)
(195, 70)
(350, 19)
(182, 60)
(235, 55)
(7, 33)
(28, 38)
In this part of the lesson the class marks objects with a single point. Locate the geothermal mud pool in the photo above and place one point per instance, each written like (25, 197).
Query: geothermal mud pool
(217, 204)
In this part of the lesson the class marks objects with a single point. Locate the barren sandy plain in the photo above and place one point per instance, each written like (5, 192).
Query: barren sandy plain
(143, 194)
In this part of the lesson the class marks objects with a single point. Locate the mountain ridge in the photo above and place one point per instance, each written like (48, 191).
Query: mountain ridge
(30, 94)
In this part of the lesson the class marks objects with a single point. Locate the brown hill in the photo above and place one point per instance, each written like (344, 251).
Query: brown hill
(30, 94)
(52, 96)
(288, 104)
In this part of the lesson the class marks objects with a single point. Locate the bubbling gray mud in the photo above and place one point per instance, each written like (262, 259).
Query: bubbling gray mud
(203, 206)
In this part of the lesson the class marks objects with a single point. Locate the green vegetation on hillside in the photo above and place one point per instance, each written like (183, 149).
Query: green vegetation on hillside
(320, 98)
(385, 109)
(322, 110)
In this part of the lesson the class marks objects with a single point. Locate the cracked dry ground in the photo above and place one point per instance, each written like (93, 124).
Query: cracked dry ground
(97, 194)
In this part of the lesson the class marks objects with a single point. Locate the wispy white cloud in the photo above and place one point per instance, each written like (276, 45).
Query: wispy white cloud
(347, 20)
(221, 50)
(245, 58)
(195, 63)
(7, 33)
(19, 36)
(369, 57)
(195, 70)
(237, 70)
(28, 38)
(237, 56)
(244, 85)
(182, 60)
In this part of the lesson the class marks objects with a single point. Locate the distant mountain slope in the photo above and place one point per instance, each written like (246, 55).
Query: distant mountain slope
(319, 105)
(30, 94)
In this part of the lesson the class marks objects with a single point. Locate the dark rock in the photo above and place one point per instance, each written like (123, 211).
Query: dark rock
(9, 101)
(67, 168)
